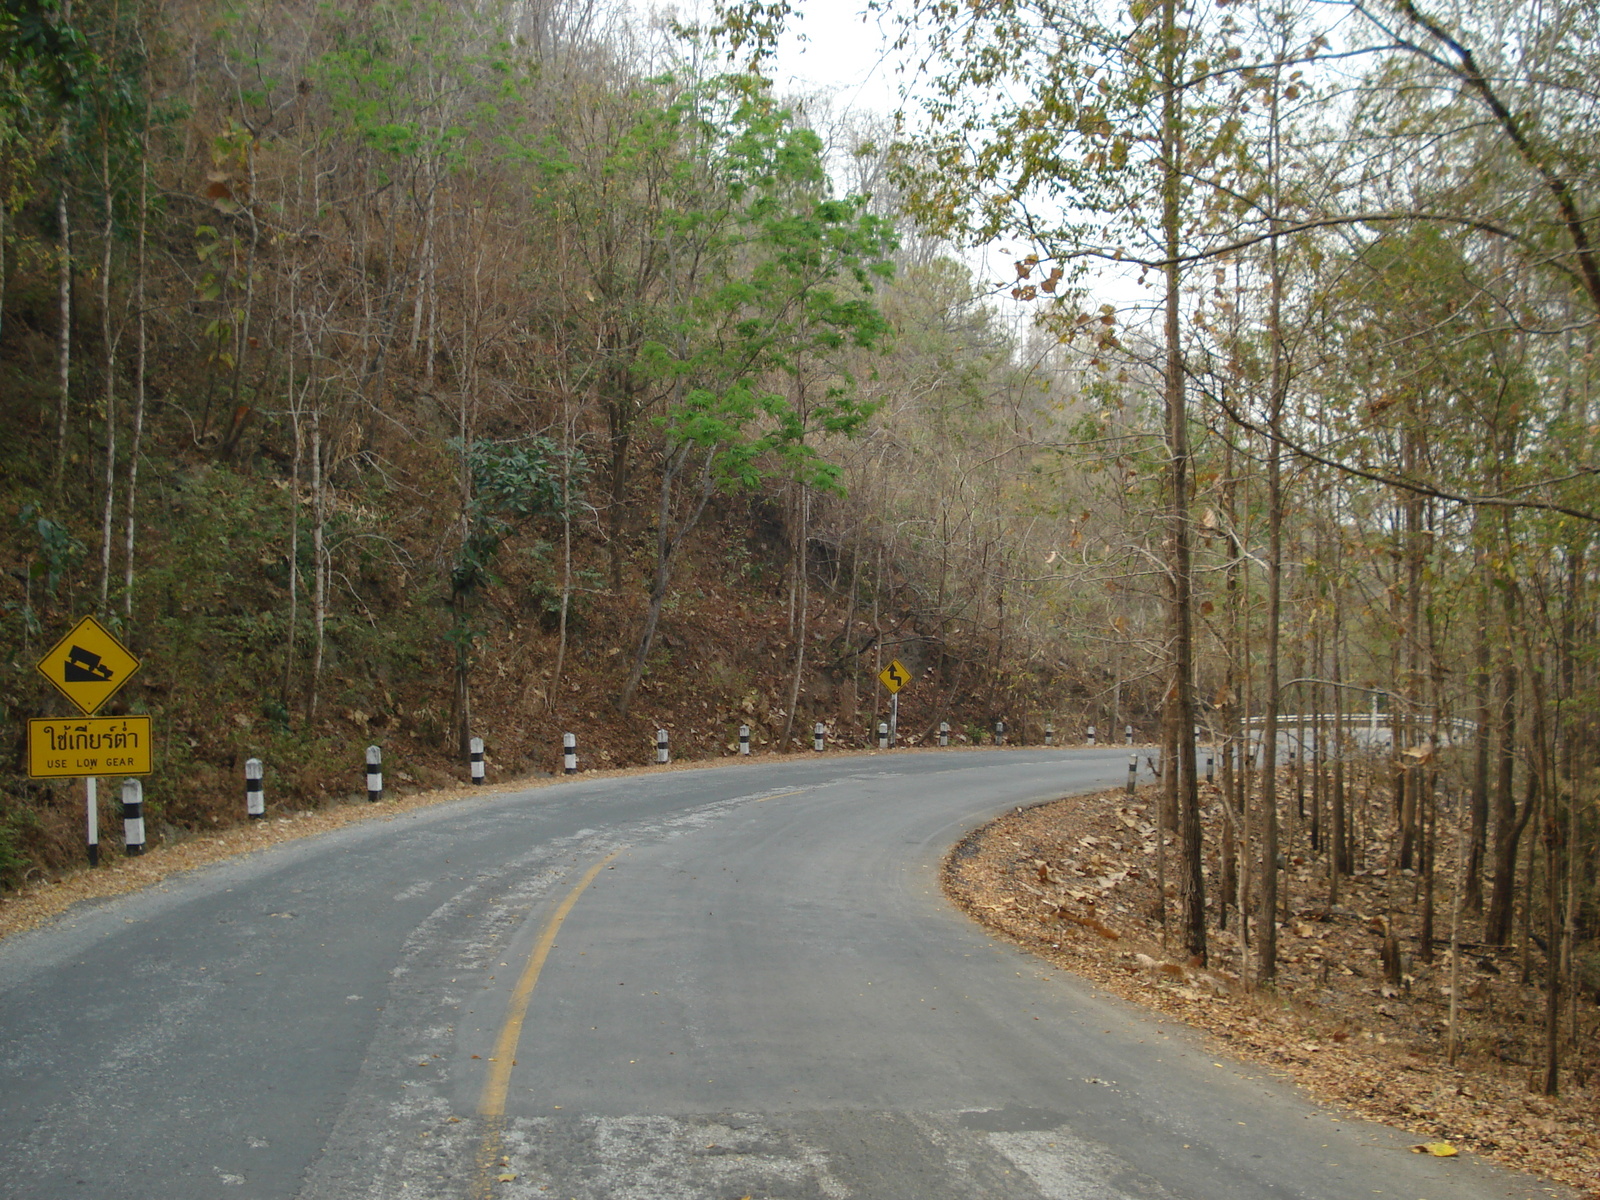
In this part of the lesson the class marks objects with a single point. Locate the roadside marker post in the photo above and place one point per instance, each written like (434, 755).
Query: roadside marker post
(91, 797)
(1133, 772)
(1130, 735)
(744, 740)
(374, 774)
(1211, 766)
(475, 755)
(132, 817)
(883, 735)
(1049, 735)
(819, 737)
(255, 800)
(569, 754)
(999, 733)
(944, 733)
(1091, 735)
(662, 754)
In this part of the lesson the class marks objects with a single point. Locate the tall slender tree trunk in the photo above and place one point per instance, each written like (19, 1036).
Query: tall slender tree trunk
(293, 617)
(669, 539)
(802, 603)
(63, 333)
(1508, 823)
(566, 550)
(1267, 903)
(1478, 790)
(319, 555)
(1191, 878)
(1338, 839)
(108, 349)
(140, 356)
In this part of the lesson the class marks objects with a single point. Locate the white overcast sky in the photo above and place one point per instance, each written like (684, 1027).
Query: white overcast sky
(836, 44)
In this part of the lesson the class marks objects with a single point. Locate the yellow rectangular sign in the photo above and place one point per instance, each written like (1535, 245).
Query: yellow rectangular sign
(69, 747)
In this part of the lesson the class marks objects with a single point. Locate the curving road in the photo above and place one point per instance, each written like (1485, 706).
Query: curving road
(722, 983)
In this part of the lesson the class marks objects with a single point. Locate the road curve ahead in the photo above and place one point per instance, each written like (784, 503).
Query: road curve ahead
(737, 982)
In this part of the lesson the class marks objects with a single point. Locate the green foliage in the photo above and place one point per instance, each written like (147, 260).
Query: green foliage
(34, 36)
(58, 551)
(511, 484)
(17, 823)
(409, 80)
(791, 277)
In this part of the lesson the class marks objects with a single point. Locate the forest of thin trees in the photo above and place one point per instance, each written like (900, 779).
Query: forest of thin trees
(1284, 408)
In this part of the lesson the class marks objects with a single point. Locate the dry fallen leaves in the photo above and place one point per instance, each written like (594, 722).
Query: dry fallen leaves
(1334, 1025)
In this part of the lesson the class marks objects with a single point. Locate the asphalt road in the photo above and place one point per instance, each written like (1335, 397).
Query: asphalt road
(726, 983)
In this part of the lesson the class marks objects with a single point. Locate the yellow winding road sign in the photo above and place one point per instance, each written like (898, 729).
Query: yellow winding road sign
(894, 676)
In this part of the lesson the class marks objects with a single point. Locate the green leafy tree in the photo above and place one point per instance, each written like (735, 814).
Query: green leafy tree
(786, 276)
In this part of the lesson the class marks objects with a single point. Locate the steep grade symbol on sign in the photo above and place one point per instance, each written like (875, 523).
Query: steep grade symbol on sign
(84, 666)
(88, 666)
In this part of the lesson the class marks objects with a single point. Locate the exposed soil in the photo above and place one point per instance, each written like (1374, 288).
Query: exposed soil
(1075, 882)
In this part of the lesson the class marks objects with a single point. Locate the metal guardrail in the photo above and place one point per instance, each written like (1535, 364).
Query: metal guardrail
(1370, 720)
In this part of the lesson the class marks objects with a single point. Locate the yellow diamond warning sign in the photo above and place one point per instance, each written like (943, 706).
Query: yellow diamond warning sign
(89, 665)
(894, 677)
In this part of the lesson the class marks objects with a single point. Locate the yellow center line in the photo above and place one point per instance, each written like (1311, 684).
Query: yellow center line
(492, 1101)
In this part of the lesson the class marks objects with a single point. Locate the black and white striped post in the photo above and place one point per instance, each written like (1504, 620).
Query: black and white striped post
(255, 800)
(744, 740)
(1049, 735)
(475, 757)
(374, 774)
(1133, 772)
(1091, 735)
(999, 733)
(1211, 766)
(132, 817)
(662, 754)
(819, 737)
(944, 733)
(883, 735)
(1130, 735)
(569, 754)
(91, 800)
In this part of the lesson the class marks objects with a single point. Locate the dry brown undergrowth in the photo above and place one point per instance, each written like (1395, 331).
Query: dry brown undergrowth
(1074, 881)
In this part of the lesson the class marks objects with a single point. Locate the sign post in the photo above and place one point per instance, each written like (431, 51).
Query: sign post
(894, 677)
(88, 666)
